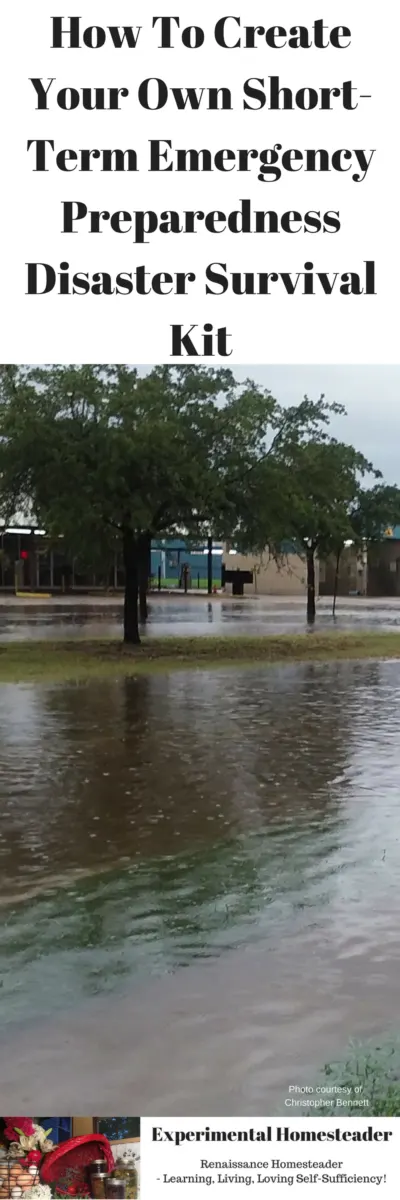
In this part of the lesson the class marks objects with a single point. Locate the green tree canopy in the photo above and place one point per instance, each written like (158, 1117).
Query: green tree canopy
(104, 456)
(306, 492)
(375, 509)
(108, 458)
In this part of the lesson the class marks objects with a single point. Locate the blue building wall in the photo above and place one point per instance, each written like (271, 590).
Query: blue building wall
(171, 556)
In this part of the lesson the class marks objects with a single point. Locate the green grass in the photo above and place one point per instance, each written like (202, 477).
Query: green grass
(371, 1072)
(110, 659)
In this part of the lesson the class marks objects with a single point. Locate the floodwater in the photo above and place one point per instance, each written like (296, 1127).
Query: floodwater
(199, 882)
(191, 616)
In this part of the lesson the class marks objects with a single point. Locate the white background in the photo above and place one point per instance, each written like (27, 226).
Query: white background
(264, 329)
(358, 1158)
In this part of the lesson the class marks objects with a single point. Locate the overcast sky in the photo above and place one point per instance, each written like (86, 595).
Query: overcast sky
(371, 396)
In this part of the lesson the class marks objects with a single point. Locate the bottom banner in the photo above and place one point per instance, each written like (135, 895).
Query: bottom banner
(154, 1158)
(358, 1156)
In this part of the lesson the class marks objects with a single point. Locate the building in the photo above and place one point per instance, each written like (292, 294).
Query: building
(375, 572)
(352, 578)
(30, 561)
(372, 572)
(171, 559)
(262, 575)
(384, 565)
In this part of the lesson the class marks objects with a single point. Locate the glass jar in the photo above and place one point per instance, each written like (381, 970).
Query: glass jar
(127, 1172)
(98, 1184)
(115, 1188)
(98, 1167)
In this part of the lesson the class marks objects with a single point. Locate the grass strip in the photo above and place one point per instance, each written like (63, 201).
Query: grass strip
(80, 660)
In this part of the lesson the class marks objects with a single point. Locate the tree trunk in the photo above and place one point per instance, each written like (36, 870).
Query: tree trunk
(144, 574)
(209, 566)
(131, 566)
(310, 586)
(336, 581)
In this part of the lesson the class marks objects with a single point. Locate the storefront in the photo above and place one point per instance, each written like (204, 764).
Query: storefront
(31, 561)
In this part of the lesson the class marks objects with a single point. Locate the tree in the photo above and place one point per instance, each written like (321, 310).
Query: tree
(362, 521)
(314, 481)
(375, 510)
(107, 458)
(325, 479)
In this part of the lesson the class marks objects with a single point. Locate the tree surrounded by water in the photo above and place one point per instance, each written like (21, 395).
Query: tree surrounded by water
(108, 459)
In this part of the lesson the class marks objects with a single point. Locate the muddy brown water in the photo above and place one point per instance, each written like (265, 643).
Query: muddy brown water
(199, 882)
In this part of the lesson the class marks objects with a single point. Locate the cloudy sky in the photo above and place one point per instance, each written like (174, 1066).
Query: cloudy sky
(371, 396)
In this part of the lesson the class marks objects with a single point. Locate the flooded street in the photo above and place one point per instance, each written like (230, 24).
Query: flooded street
(199, 881)
(191, 616)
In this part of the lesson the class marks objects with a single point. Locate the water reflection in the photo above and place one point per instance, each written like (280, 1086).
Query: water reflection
(190, 616)
(192, 814)
(91, 775)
